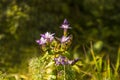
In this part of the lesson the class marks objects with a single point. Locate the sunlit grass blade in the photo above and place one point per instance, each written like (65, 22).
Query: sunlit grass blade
(93, 56)
(108, 69)
(117, 62)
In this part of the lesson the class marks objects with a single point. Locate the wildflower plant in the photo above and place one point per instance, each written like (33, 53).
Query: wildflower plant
(54, 64)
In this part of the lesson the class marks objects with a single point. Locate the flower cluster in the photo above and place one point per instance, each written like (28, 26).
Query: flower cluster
(61, 60)
(47, 37)
(57, 46)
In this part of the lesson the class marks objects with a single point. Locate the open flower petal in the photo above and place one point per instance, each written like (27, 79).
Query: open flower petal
(41, 41)
(64, 39)
(48, 36)
(65, 25)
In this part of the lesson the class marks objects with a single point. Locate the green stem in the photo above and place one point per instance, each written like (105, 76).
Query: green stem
(65, 32)
(64, 73)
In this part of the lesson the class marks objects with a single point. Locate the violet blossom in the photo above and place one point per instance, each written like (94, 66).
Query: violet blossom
(61, 60)
(64, 39)
(65, 25)
(48, 36)
(71, 62)
(41, 41)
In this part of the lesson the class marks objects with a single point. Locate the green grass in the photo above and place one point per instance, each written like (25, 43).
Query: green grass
(91, 67)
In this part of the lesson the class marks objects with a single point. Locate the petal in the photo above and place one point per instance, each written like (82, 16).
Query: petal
(65, 21)
(64, 39)
(37, 41)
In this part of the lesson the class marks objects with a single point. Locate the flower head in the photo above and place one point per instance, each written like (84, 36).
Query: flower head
(64, 39)
(65, 25)
(48, 36)
(71, 62)
(41, 41)
(61, 60)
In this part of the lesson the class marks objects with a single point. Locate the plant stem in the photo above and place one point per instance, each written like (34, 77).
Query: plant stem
(64, 73)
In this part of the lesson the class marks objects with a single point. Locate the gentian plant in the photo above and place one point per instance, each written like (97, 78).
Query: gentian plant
(54, 63)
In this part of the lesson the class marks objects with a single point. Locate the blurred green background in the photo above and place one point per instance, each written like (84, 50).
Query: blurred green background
(22, 22)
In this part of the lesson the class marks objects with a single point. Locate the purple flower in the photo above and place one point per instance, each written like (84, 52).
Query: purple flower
(41, 41)
(48, 36)
(71, 62)
(65, 25)
(61, 60)
(64, 39)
